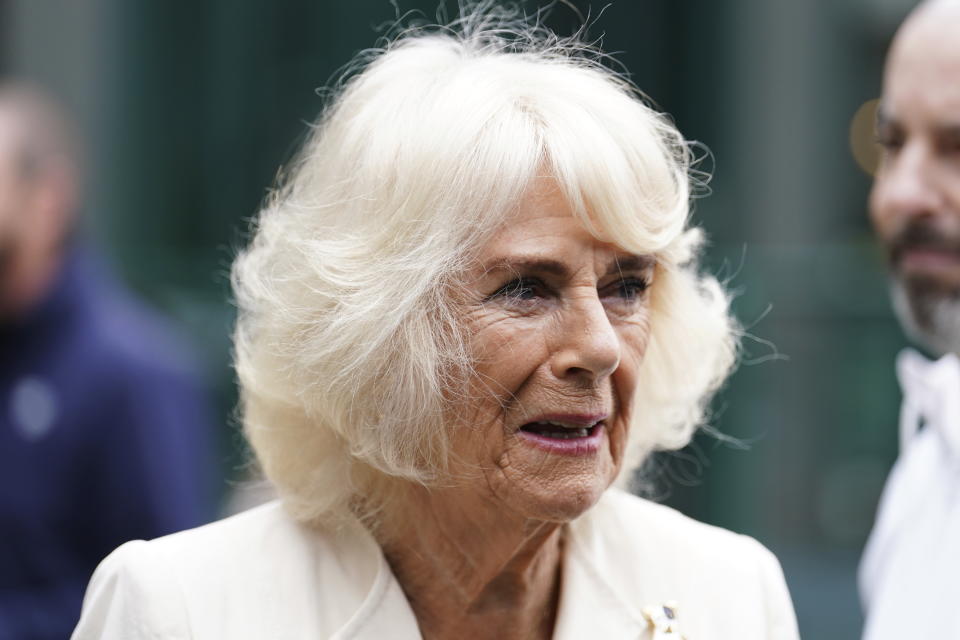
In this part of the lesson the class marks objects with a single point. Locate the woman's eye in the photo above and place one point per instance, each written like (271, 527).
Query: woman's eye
(520, 289)
(630, 289)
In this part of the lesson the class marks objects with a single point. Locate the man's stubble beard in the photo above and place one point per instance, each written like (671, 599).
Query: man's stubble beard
(928, 314)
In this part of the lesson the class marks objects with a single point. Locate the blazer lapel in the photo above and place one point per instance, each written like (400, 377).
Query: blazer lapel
(589, 605)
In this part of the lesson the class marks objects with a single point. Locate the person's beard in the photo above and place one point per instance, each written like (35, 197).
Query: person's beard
(928, 310)
(931, 317)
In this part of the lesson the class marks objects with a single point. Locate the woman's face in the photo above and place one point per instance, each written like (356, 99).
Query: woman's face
(559, 323)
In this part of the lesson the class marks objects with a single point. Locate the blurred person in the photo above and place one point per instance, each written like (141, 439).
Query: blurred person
(472, 306)
(910, 572)
(105, 434)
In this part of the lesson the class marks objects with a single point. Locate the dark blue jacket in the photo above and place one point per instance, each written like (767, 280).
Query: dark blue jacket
(105, 436)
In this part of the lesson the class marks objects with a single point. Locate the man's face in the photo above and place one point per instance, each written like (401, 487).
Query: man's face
(915, 202)
(11, 196)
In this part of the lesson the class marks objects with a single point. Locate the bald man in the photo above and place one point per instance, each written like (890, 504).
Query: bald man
(910, 572)
(104, 432)
(38, 197)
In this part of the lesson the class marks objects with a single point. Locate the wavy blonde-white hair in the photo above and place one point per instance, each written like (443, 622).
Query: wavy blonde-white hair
(348, 342)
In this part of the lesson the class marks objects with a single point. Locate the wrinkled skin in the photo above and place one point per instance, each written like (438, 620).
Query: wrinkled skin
(559, 324)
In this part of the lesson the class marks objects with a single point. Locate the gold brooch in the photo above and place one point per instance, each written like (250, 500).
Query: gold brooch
(662, 621)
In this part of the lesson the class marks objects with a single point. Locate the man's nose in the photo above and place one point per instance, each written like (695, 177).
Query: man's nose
(587, 344)
(907, 184)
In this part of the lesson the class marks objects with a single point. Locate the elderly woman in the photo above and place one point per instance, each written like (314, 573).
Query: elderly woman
(472, 306)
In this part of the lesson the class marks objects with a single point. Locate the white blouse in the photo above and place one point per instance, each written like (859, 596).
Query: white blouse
(262, 575)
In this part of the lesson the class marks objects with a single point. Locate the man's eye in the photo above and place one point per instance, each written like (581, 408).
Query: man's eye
(520, 289)
(889, 141)
(949, 145)
(889, 138)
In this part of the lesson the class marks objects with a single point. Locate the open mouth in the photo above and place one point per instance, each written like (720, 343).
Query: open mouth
(560, 431)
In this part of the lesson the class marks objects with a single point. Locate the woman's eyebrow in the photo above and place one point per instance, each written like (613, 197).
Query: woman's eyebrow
(528, 265)
(630, 263)
(520, 264)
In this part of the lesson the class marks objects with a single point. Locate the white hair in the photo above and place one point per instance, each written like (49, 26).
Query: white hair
(348, 344)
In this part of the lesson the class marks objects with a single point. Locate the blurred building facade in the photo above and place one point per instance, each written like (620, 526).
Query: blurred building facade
(192, 110)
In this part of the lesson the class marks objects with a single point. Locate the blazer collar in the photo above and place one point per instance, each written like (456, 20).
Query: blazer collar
(385, 611)
(590, 606)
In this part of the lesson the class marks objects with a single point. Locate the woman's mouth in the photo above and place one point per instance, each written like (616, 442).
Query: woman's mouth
(573, 435)
(559, 431)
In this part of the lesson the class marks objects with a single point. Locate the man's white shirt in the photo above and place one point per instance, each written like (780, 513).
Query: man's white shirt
(910, 571)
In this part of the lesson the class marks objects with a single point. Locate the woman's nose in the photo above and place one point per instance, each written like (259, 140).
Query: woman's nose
(587, 344)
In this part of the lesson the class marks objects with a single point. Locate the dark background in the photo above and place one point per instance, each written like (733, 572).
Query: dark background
(191, 108)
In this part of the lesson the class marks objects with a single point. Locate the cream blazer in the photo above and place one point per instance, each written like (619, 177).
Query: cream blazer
(260, 575)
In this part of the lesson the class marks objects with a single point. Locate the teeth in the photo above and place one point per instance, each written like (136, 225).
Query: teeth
(560, 430)
(565, 425)
(569, 434)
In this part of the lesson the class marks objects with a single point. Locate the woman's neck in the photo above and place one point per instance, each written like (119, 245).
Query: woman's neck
(470, 570)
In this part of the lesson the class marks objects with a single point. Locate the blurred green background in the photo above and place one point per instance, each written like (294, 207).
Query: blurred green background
(189, 110)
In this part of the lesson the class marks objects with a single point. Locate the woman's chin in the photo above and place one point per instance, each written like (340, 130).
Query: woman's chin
(562, 508)
(546, 485)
